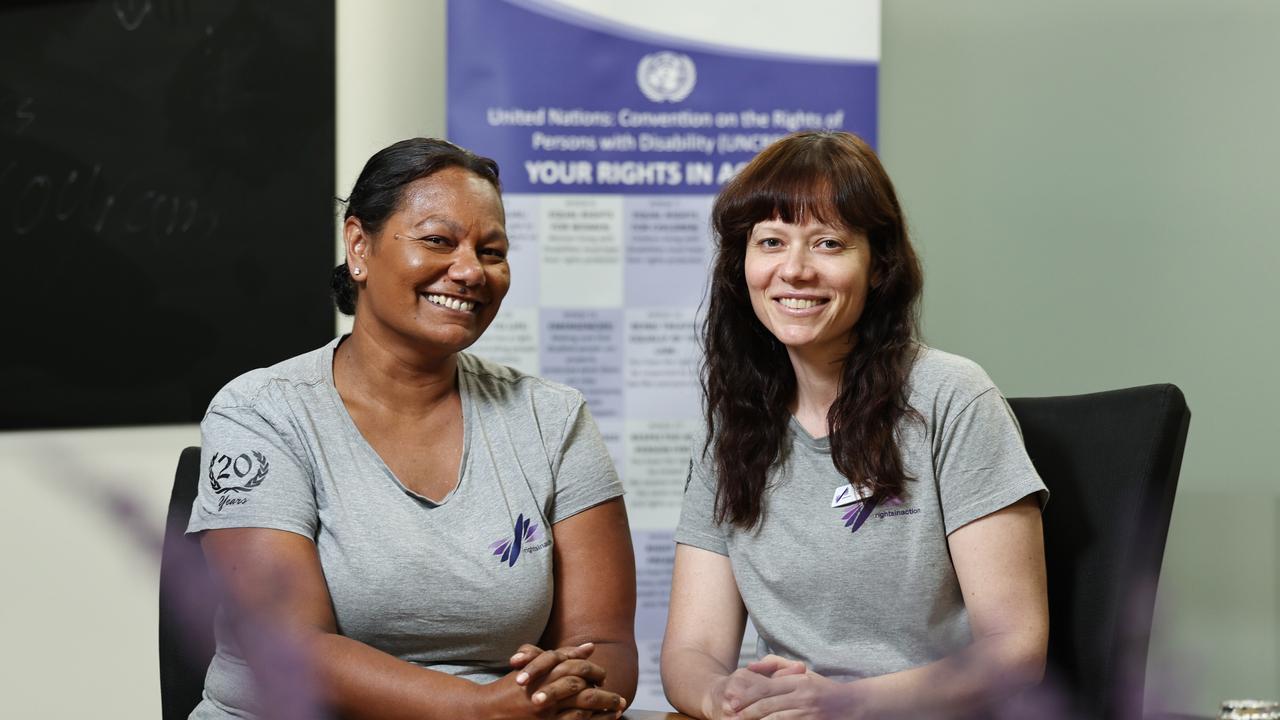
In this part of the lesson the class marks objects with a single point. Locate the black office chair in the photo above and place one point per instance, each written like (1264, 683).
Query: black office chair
(187, 602)
(1111, 462)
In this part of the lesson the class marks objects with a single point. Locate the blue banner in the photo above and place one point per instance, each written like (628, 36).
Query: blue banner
(615, 124)
(566, 106)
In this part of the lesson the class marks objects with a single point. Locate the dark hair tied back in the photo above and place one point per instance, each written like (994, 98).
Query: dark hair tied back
(747, 379)
(343, 290)
(380, 188)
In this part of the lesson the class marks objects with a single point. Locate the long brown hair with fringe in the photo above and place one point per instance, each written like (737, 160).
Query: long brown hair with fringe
(748, 382)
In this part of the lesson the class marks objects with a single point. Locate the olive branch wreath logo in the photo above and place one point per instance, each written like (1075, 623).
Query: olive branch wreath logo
(253, 482)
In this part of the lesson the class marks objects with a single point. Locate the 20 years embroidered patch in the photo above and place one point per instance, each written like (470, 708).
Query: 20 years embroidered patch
(238, 475)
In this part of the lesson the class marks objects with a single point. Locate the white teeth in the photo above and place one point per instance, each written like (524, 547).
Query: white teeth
(451, 303)
(797, 303)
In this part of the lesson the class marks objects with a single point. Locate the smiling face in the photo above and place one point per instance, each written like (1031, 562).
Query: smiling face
(808, 284)
(437, 271)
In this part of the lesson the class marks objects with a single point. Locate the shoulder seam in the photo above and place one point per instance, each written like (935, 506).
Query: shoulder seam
(965, 409)
(251, 401)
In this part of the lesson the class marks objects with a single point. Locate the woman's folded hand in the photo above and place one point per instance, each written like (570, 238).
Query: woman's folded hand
(564, 683)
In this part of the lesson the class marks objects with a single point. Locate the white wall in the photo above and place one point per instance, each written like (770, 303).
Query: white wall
(84, 513)
(391, 81)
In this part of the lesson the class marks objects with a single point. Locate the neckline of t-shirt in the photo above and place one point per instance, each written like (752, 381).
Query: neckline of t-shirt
(340, 409)
(803, 437)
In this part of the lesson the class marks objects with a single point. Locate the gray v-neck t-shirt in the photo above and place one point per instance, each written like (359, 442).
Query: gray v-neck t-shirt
(455, 585)
(855, 589)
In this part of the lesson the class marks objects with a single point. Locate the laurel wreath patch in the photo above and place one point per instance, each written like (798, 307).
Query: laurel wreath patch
(232, 466)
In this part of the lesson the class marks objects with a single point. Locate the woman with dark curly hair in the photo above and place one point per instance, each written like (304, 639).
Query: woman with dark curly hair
(867, 500)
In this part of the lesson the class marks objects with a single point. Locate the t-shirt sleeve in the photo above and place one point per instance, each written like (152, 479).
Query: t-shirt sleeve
(697, 525)
(584, 472)
(982, 464)
(251, 476)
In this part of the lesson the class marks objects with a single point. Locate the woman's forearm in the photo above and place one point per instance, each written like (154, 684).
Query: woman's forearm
(987, 671)
(329, 672)
(620, 661)
(984, 673)
(690, 679)
(361, 682)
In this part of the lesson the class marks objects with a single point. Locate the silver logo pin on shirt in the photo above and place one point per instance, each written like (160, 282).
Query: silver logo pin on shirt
(847, 494)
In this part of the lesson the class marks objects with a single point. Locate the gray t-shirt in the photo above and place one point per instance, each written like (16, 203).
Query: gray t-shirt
(454, 586)
(859, 590)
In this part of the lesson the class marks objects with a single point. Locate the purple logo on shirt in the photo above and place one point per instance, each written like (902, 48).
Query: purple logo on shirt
(508, 549)
(858, 513)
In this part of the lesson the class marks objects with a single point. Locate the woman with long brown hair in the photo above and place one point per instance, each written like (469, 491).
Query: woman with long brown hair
(867, 500)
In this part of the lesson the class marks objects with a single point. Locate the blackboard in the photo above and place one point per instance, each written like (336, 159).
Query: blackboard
(166, 202)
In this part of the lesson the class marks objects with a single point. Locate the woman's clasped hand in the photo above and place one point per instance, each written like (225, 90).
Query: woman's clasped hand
(564, 682)
(773, 685)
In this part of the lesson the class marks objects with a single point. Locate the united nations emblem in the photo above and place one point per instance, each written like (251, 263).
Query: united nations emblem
(225, 467)
(666, 76)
